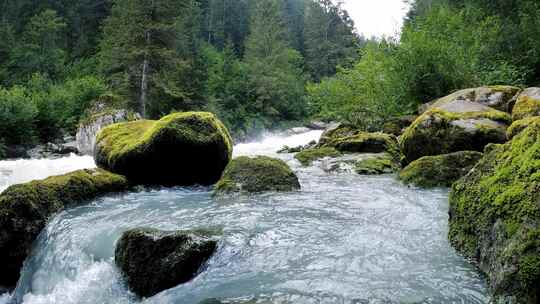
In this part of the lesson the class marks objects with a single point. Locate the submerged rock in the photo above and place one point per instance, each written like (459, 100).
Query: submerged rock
(25, 209)
(527, 104)
(287, 149)
(257, 174)
(495, 217)
(308, 156)
(153, 260)
(179, 149)
(441, 170)
(455, 125)
(348, 139)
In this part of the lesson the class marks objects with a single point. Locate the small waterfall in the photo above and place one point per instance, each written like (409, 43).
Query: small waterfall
(86, 135)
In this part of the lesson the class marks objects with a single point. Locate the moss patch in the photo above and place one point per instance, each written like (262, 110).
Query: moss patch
(526, 106)
(440, 132)
(348, 139)
(308, 156)
(439, 171)
(495, 216)
(521, 125)
(25, 209)
(179, 149)
(377, 165)
(257, 174)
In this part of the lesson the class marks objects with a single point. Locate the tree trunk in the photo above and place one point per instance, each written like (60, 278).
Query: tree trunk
(144, 78)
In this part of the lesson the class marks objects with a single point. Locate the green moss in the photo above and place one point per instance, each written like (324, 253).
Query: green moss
(439, 171)
(502, 191)
(435, 132)
(196, 146)
(308, 156)
(349, 139)
(257, 174)
(25, 209)
(521, 125)
(376, 165)
(526, 107)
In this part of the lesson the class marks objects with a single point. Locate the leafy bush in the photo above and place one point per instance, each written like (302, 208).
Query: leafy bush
(17, 116)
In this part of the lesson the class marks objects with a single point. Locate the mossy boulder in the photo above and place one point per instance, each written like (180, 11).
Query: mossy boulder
(308, 156)
(495, 217)
(457, 125)
(441, 170)
(378, 164)
(527, 104)
(25, 209)
(397, 125)
(179, 149)
(348, 139)
(520, 125)
(152, 260)
(257, 174)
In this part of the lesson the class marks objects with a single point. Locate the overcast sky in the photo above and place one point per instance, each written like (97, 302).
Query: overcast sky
(377, 17)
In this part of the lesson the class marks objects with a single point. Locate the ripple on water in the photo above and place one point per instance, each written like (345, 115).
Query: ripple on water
(342, 239)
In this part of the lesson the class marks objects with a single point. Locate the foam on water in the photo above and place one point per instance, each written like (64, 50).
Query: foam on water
(24, 170)
(343, 238)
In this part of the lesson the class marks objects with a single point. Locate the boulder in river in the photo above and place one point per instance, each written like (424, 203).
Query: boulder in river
(349, 139)
(307, 156)
(25, 209)
(257, 174)
(440, 170)
(180, 149)
(452, 126)
(382, 163)
(153, 260)
(397, 125)
(527, 104)
(495, 217)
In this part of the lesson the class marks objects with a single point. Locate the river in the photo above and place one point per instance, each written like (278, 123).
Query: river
(344, 238)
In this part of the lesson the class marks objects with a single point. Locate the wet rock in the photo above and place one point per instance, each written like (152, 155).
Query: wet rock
(287, 149)
(257, 174)
(383, 163)
(495, 217)
(360, 163)
(454, 125)
(308, 156)
(153, 260)
(25, 209)
(441, 170)
(180, 149)
(348, 139)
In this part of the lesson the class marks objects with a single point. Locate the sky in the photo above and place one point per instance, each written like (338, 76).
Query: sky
(377, 17)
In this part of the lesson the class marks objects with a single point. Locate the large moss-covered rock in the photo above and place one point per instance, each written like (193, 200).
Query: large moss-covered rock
(179, 149)
(498, 97)
(520, 125)
(25, 209)
(495, 217)
(441, 170)
(348, 139)
(527, 104)
(308, 156)
(457, 125)
(257, 174)
(153, 260)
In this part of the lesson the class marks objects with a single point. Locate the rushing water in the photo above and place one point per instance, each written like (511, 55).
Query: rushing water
(343, 238)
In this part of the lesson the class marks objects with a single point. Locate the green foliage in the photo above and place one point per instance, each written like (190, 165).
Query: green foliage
(17, 116)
